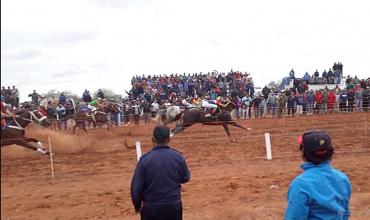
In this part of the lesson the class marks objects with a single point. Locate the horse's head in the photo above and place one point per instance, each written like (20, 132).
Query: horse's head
(111, 107)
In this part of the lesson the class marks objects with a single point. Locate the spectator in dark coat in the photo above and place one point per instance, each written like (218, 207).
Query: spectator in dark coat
(156, 184)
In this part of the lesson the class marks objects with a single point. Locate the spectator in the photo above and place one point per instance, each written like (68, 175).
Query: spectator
(136, 111)
(256, 104)
(306, 77)
(331, 101)
(310, 195)
(62, 99)
(343, 101)
(310, 101)
(330, 77)
(86, 97)
(15, 95)
(54, 102)
(337, 76)
(34, 97)
(300, 100)
(358, 97)
(290, 103)
(246, 103)
(265, 92)
(316, 74)
(318, 106)
(271, 103)
(325, 74)
(282, 100)
(156, 184)
(351, 99)
(366, 99)
(100, 94)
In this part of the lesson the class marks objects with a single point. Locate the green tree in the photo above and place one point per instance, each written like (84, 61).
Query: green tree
(68, 94)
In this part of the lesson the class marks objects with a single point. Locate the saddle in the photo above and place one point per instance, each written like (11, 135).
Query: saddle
(210, 113)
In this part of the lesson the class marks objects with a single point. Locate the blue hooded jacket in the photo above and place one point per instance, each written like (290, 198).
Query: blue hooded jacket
(319, 193)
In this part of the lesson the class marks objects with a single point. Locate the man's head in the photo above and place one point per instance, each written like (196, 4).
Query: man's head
(316, 146)
(161, 135)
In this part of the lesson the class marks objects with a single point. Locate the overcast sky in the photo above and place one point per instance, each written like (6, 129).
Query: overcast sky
(78, 44)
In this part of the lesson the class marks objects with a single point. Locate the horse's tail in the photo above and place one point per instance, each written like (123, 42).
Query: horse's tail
(178, 116)
(171, 113)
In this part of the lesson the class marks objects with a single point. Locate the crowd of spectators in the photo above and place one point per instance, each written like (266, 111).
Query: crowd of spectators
(149, 94)
(170, 87)
(333, 76)
(11, 96)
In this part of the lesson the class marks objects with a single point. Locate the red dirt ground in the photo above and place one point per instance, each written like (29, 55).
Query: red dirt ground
(229, 180)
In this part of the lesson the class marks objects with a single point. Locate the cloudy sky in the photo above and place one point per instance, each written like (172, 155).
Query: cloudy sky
(78, 44)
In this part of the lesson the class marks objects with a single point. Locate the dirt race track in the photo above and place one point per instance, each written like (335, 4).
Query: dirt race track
(229, 180)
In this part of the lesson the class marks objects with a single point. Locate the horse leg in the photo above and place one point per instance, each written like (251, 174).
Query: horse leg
(23, 143)
(177, 129)
(226, 128)
(235, 124)
(84, 127)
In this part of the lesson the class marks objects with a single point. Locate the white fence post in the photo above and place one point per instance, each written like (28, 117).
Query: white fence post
(138, 150)
(268, 146)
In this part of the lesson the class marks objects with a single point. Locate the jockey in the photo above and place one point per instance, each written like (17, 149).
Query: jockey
(223, 102)
(83, 107)
(43, 105)
(95, 106)
(206, 104)
(5, 113)
(187, 104)
(61, 111)
(196, 101)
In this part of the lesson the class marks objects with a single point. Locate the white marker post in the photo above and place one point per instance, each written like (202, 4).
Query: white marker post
(51, 159)
(138, 150)
(119, 118)
(268, 146)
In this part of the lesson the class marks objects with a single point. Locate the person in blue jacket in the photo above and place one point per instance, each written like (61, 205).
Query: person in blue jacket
(156, 184)
(321, 191)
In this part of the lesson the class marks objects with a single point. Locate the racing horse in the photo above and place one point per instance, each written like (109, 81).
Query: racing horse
(102, 116)
(14, 132)
(193, 116)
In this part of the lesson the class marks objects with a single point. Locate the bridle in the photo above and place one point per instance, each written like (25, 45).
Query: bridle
(32, 118)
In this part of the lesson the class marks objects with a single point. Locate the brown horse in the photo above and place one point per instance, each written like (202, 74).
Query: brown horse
(99, 118)
(14, 132)
(193, 116)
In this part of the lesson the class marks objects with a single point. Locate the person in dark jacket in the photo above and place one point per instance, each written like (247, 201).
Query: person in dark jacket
(100, 94)
(156, 184)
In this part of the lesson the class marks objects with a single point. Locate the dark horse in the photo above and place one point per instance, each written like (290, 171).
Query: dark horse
(14, 132)
(192, 116)
(101, 117)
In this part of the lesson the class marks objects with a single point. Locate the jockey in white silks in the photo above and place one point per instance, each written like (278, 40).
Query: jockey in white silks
(212, 107)
(187, 104)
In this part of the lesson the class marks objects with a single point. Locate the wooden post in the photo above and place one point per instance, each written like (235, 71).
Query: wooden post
(51, 159)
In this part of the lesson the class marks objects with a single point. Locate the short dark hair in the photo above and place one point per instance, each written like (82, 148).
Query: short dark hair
(161, 133)
(316, 146)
